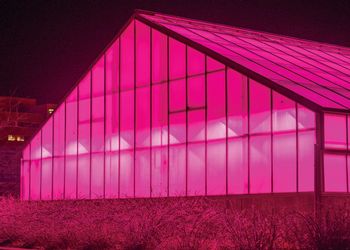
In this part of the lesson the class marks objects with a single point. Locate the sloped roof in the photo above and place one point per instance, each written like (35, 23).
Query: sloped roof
(314, 73)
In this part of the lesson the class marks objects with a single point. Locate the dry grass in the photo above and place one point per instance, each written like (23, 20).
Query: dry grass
(179, 223)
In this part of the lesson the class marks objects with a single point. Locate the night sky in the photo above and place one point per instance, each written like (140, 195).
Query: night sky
(45, 46)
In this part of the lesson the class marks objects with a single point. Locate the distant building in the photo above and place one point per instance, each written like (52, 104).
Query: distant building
(19, 119)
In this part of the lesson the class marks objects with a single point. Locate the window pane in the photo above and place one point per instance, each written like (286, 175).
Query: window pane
(25, 173)
(58, 164)
(196, 91)
(112, 121)
(177, 95)
(47, 143)
(237, 104)
(306, 118)
(177, 59)
(84, 137)
(213, 65)
(260, 164)
(306, 161)
(97, 130)
(143, 46)
(335, 131)
(216, 175)
(71, 145)
(196, 169)
(260, 108)
(159, 140)
(143, 118)
(216, 106)
(177, 128)
(196, 126)
(335, 173)
(159, 56)
(195, 62)
(127, 144)
(284, 162)
(35, 167)
(238, 166)
(142, 173)
(177, 170)
(284, 144)
(127, 58)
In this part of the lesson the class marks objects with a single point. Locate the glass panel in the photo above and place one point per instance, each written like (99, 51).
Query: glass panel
(177, 128)
(196, 91)
(216, 109)
(196, 126)
(112, 121)
(260, 164)
(71, 145)
(213, 65)
(284, 144)
(177, 170)
(143, 119)
(237, 104)
(126, 174)
(177, 59)
(216, 167)
(335, 173)
(127, 65)
(159, 140)
(142, 173)
(35, 167)
(97, 130)
(238, 166)
(58, 164)
(84, 137)
(25, 173)
(195, 62)
(177, 95)
(306, 161)
(46, 175)
(260, 108)
(159, 56)
(196, 169)
(335, 131)
(143, 45)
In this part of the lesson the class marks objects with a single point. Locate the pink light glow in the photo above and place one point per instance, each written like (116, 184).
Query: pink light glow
(155, 117)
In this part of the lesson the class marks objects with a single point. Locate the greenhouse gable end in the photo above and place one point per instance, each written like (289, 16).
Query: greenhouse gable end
(180, 107)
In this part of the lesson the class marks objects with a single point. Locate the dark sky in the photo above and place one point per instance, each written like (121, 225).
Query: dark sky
(45, 46)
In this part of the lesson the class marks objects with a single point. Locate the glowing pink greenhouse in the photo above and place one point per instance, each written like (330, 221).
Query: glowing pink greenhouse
(180, 107)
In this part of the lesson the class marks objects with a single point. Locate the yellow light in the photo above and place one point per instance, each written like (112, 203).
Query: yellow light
(20, 138)
(11, 138)
(51, 110)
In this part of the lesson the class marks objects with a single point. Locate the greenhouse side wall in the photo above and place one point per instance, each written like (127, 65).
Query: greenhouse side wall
(156, 118)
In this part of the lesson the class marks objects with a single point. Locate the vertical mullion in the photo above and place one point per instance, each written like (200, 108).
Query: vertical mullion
(168, 114)
(41, 161)
(90, 129)
(119, 109)
(77, 161)
(297, 145)
(271, 137)
(53, 153)
(206, 126)
(150, 110)
(249, 140)
(187, 111)
(226, 121)
(104, 125)
(30, 171)
(64, 149)
(134, 89)
(346, 155)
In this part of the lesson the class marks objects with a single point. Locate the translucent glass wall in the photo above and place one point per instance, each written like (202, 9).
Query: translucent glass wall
(155, 118)
(336, 159)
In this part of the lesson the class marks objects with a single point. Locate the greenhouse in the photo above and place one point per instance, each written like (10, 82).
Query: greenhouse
(180, 107)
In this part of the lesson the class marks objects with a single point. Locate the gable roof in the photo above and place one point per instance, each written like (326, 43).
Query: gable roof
(312, 73)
